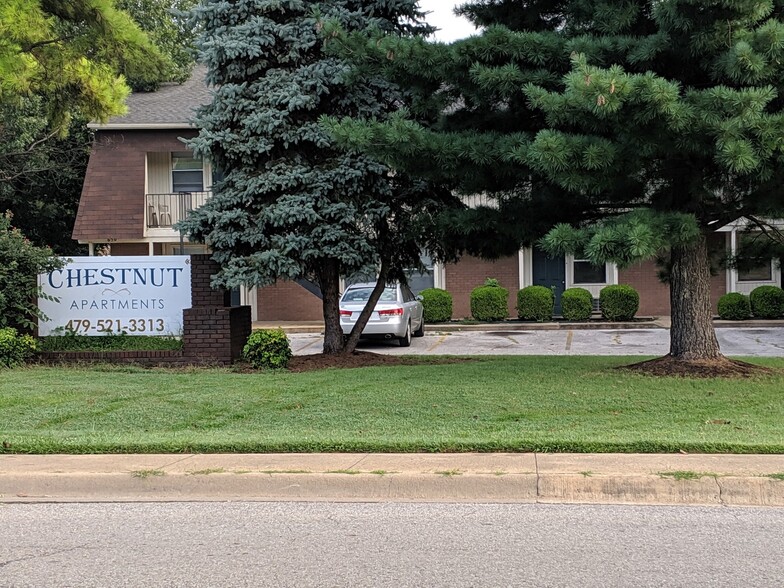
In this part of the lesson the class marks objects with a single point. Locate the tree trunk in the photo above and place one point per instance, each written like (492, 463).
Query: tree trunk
(370, 305)
(329, 281)
(692, 336)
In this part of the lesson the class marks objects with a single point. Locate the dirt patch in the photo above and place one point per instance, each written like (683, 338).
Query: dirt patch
(722, 367)
(319, 361)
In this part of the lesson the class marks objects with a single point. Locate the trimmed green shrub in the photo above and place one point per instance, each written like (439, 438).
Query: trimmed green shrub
(734, 307)
(437, 304)
(490, 302)
(619, 302)
(767, 302)
(535, 303)
(576, 304)
(267, 349)
(70, 341)
(15, 349)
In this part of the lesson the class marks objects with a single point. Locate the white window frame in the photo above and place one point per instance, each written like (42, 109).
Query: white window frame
(610, 276)
(206, 172)
(734, 283)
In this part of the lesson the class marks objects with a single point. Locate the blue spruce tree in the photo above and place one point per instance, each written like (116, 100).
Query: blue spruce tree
(291, 203)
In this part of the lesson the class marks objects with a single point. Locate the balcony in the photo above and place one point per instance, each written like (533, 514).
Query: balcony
(165, 210)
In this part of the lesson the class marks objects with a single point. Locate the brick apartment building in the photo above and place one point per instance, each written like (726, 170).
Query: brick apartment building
(141, 179)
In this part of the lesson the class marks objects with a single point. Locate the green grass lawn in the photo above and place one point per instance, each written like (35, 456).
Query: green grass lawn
(576, 404)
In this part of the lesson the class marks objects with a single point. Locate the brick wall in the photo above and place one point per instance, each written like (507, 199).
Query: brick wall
(146, 358)
(215, 335)
(112, 204)
(655, 296)
(471, 272)
(120, 249)
(288, 301)
(202, 294)
(718, 289)
(213, 332)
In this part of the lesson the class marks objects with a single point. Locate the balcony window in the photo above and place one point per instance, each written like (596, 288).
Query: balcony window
(587, 273)
(187, 173)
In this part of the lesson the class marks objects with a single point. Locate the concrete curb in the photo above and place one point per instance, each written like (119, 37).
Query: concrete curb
(643, 323)
(318, 328)
(737, 480)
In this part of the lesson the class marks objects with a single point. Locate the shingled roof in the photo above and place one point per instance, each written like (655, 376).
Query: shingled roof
(172, 106)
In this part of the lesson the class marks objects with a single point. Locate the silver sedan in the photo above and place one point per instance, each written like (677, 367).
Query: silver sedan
(398, 313)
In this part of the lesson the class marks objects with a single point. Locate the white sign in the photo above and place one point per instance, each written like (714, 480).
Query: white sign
(99, 295)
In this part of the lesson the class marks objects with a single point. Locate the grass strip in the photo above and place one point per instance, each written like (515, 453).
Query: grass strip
(564, 404)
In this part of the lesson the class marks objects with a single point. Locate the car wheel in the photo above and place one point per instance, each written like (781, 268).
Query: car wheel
(420, 332)
(405, 340)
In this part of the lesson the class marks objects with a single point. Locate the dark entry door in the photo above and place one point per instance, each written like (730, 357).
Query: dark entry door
(550, 272)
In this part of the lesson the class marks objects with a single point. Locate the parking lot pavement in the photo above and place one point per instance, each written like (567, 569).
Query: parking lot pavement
(762, 342)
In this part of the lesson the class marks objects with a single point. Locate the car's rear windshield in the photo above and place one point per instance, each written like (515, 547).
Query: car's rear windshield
(363, 294)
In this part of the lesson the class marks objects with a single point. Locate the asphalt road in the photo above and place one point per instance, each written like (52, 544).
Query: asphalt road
(393, 544)
(748, 342)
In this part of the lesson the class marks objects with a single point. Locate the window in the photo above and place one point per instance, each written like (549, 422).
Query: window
(420, 281)
(363, 294)
(760, 273)
(187, 174)
(754, 269)
(587, 273)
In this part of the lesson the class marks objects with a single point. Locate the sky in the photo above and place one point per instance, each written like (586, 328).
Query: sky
(452, 27)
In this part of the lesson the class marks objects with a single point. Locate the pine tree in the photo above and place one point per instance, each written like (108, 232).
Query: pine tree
(641, 125)
(71, 55)
(291, 204)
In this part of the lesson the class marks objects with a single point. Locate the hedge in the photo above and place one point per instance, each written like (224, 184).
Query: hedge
(490, 302)
(437, 305)
(619, 302)
(576, 304)
(15, 349)
(734, 307)
(267, 349)
(767, 302)
(535, 303)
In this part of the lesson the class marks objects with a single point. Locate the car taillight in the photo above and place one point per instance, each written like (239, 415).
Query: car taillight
(391, 312)
(345, 313)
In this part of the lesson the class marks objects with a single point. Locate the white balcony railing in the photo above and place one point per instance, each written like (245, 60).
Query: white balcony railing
(165, 210)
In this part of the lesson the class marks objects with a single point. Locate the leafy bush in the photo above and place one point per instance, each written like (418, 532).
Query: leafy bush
(619, 302)
(576, 304)
(734, 307)
(535, 303)
(490, 302)
(267, 349)
(437, 304)
(767, 302)
(15, 349)
(70, 341)
(20, 264)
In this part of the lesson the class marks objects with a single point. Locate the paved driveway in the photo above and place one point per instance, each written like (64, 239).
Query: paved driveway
(762, 342)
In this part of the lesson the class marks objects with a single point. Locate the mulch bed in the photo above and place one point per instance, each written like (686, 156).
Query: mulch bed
(319, 361)
(722, 367)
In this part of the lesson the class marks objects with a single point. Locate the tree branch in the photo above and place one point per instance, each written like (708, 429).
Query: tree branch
(771, 232)
(31, 46)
